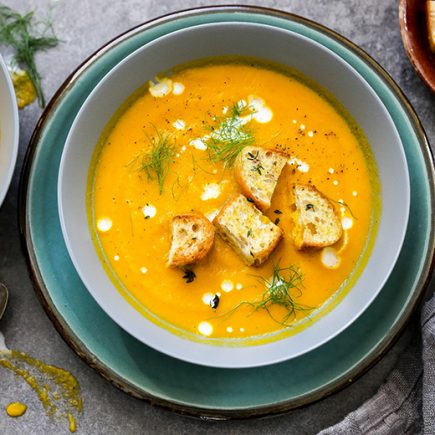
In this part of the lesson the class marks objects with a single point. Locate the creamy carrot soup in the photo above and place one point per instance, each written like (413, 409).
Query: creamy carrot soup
(156, 159)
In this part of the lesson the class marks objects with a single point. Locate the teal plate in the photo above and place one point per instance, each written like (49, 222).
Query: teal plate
(183, 387)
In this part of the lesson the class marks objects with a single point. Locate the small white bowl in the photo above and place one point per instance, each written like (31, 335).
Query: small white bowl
(262, 41)
(9, 130)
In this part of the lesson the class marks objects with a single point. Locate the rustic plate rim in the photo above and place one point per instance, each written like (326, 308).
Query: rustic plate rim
(80, 348)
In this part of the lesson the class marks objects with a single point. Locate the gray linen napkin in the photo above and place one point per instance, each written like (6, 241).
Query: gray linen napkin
(405, 403)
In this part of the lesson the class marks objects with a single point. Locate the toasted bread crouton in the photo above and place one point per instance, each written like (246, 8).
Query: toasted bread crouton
(316, 223)
(257, 171)
(251, 234)
(192, 239)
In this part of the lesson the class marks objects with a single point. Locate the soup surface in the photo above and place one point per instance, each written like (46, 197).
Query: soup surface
(155, 161)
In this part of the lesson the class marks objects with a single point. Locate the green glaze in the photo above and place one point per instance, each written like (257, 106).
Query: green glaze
(184, 387)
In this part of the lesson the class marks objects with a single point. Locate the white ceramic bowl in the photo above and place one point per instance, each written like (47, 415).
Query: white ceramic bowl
(265, 42)
(9, 130)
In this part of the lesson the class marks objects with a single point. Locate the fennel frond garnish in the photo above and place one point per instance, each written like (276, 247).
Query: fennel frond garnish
(342, 203)
(230, 136)
(282, 289)
(26, 37)
(157, 160)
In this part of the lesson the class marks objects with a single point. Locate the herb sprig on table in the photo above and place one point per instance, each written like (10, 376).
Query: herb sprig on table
(26, 36)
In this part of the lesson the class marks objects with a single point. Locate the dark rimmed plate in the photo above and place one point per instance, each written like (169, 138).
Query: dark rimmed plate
(183, 387)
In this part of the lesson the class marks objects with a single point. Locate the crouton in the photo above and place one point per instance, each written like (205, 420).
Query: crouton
(251, 234)
(192, 239)
(316, 223)
(257, 171)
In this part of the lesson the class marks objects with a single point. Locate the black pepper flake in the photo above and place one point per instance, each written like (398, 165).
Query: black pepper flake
(277, 221)
(214, 303)
(309, 207)
(189, 275)
(277, 211)
(250, 200)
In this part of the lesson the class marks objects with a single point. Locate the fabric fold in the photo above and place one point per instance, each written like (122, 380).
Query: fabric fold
(405, 403)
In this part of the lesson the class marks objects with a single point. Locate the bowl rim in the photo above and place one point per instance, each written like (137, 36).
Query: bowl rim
(11, 101)
(230, 357)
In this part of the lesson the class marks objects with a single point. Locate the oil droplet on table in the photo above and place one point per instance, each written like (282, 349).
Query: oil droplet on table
(57, 389)
(16, 409)
(72, 423)
(24, 89)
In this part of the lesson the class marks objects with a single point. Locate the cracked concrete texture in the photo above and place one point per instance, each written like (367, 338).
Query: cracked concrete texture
(83, 26)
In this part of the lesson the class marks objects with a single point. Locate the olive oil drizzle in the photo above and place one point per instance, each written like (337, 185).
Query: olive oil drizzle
(57, 389)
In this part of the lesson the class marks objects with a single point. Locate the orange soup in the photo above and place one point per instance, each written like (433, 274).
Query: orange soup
(154, 162)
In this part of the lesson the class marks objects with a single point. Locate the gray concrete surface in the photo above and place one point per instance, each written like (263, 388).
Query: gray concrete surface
(84, 25)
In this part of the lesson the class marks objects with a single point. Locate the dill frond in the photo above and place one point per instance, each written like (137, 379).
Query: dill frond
(238, 108)
(175, 184)
(26, 37)
(157, 160)
(230, 137)
(282, 289)
(344, 204)
(195, 165)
